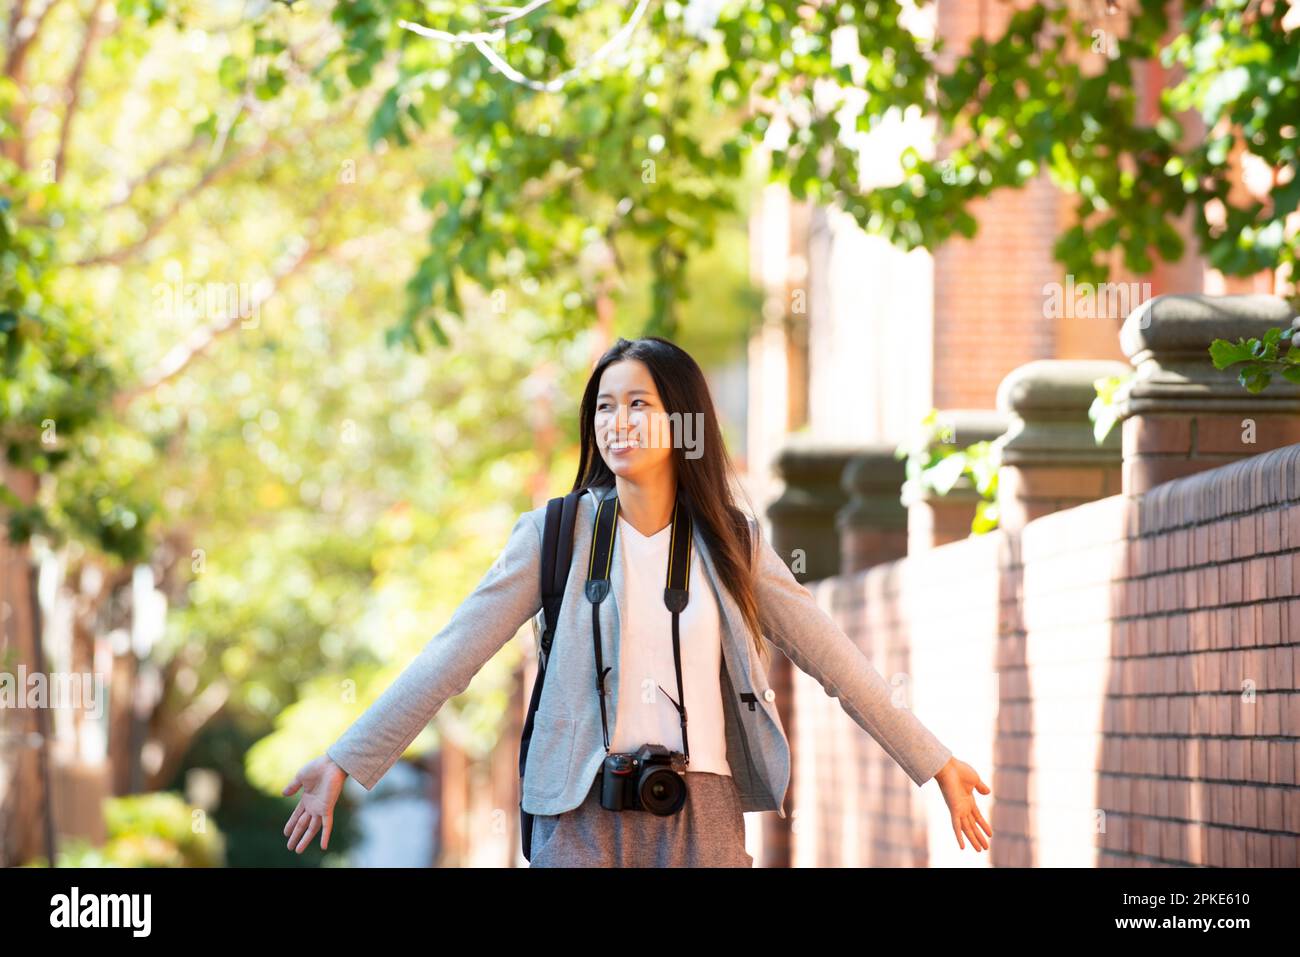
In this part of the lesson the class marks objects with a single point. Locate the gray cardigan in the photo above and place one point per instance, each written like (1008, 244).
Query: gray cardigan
(567, 747)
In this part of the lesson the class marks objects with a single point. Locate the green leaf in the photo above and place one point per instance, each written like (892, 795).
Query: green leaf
(943, 476)
(1224, 353)
(231, 72)
(271, 84)
(986, 517)
(1255, 378)
(268, 45)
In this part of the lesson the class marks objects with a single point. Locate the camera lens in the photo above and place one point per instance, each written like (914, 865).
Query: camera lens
(662, 791)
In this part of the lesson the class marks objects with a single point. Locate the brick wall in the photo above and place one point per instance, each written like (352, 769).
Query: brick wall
(1124, 676)
(990, 312)
(988, 300)
(849, 803)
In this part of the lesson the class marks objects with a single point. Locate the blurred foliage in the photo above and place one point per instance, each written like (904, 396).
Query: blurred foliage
(148, 830)
(314, 504)
(640, 155)
(935, 464)
(1103, 411)
(253, 818)
(53, 379)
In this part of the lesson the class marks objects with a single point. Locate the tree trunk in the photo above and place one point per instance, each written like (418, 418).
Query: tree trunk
(24, 831)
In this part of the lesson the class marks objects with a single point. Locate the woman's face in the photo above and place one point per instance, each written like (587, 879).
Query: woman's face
(633, 431)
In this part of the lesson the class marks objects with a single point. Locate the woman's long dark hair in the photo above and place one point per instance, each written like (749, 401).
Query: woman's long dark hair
(706, 484)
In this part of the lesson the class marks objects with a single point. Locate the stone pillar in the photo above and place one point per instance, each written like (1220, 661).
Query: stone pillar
(804, 533)
(933, 519)
(1050, 459)
(873, 525)
(1181, 415)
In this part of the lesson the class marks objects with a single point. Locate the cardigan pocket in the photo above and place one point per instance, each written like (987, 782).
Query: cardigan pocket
(549, 753)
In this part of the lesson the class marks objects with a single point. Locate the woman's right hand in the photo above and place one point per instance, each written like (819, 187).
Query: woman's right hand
(321, 781)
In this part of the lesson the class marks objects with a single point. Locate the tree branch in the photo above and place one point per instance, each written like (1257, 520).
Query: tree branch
(171, 159)
(175, 732)
(21, 39)
(212, 175)
(181, 356)
(72, 90)
(16, 56)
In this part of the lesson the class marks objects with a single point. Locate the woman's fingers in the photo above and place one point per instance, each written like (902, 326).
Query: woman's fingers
(303, 825)
(968, 823)
(312, 828)
(293, 819)
(298, 829)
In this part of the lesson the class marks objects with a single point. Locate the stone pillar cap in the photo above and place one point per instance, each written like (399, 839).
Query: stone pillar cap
(1049, 400)
(805, 457)
(972, 425)
(1187, 323)
(874, 467)
(873, 480)
(1168, 340)
(1049, 388)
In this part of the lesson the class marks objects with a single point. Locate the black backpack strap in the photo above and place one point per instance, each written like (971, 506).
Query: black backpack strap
(557, 555)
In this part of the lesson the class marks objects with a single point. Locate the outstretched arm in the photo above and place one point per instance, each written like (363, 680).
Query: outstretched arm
(502, 602)
(795, 623)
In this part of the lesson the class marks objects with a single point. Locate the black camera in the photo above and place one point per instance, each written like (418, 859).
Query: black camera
(650, 779)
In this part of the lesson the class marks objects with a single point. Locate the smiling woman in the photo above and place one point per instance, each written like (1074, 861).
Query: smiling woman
(694, 592)
(640, 397)
(634, 432)
(639, 402)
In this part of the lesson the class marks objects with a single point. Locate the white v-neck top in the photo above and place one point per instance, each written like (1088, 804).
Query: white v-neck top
(646, 714)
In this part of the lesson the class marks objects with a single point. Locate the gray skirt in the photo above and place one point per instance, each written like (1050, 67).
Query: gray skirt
(709, 831)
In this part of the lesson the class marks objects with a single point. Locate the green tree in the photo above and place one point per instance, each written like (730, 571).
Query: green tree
(637, 155)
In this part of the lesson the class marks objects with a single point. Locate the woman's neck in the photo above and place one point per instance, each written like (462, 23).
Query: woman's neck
(646, 506)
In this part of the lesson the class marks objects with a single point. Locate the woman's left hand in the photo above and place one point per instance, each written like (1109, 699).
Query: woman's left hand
(956, 780)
